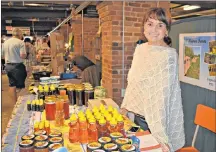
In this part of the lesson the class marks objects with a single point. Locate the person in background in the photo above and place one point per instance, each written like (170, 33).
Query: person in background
(30, 54)
(2, 57)
(44, 43)
(153, 92)
(48, 41)
(34, 40)
(14, 52)
(89, 70)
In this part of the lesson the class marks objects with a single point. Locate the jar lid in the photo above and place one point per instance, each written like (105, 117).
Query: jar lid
(37, 102)
(92, 120)
(128, 147)
(55, 134)
(70, 89)
(41, 138)
(82, 119)
(79, 89)
(108, 117)
(104, 139)
(41, 90)
(119, 118)
(61, 87)
(102, 121)
(94, 145)
(73, 117)
(55, 146)
(116, 135)
(41, 145)
(56, 140)
(81, 114)
(47, 123)
(33, 101)
(98, 150)
(110, 109)
(89, 89)
(26, 143)
(113, 122)
(41, 102)
(46, 90)
(49, 101)
(28, 137)
(28, 102)
(122, 141)
(40, 132)
(110, 146)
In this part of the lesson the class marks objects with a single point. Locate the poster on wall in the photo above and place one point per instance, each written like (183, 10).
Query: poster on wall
(197, 59)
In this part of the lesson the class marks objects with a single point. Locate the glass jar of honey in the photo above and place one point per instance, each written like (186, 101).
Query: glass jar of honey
(26, 146)
(41, 146)
(50, 107)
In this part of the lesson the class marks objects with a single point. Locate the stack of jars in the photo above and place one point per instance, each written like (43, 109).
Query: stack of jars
(79, 94)
(35, 105)
(93, 124)
(41, 140)
(56, 103)
(46, 90)
(42, 125)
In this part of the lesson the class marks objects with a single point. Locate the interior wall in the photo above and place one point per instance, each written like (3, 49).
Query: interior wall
(193, 95)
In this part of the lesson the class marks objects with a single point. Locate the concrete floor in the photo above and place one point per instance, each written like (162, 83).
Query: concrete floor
(6, 103)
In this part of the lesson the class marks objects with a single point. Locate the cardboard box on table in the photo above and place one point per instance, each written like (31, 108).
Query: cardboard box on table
(104, 101)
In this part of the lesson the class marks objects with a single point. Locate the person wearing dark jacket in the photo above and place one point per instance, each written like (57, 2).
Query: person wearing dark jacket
(89, 70)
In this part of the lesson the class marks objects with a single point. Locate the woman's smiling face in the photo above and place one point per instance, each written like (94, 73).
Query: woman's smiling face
(155, 30)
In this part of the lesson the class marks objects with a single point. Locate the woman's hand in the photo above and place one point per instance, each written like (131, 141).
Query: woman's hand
(165, 147)
(123, 111)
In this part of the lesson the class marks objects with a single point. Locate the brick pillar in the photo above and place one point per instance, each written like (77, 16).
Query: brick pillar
(111, 17)
(77, 31)
(90, 28)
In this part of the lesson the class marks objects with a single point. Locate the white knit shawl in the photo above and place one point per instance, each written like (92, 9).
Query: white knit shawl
(154, 92)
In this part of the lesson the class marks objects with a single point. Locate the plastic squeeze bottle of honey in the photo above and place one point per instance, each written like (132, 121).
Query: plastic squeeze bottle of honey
(74, 129)
(102, 128)
(92, 131)
(110, 109)
(47, 126)
(113, 126)
(120, 124)
(108, 119)
(83, 130)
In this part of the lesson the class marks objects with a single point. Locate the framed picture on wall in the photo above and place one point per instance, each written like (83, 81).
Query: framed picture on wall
(197, 59)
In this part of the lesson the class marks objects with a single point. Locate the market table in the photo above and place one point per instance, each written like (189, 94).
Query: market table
(22, 123)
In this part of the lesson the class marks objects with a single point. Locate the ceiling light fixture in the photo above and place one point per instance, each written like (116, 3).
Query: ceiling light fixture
(34, 4)
(190, 7)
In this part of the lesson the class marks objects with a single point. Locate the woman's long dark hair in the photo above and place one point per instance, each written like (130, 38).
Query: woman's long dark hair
(161, 15)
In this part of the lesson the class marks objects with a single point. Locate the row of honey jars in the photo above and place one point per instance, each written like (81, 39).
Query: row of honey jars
(80, 95)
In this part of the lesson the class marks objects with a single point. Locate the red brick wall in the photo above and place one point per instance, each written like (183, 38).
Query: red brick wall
(90, 28)
(106, 23)
(111, 17)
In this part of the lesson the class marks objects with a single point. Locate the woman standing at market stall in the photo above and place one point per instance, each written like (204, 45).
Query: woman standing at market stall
(153, 93)
(89, 70)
